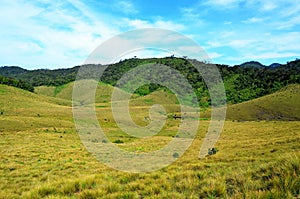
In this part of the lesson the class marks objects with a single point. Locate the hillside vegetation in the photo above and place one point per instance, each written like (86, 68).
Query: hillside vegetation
(16, 83)
(242, 82)
(281, 105)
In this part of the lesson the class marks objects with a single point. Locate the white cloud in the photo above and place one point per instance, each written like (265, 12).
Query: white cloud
(125, 7)
(214, 55)
(268, 6)
(137, 23)
(265, 58)
(226, 34)
(192, 15)
(240, 43)
(223, 3)
(62, 35)
(151, 42)
(169, 25)
(288, 23)
(254, 20)
(34, 36)
(227, 22)
(214, 44)
(289, 8)
(271, 55)
(259, 47)
(281, 43)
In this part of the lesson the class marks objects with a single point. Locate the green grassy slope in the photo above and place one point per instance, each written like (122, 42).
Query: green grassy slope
(45, 90)
(41, 156)
(21, 110)
(281, 105)
(103, 93)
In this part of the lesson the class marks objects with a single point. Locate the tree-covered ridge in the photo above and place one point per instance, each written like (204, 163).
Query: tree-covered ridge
(41, 76)
(242, 82)
(16, 83)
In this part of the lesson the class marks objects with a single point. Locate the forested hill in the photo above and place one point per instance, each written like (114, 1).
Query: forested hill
(41, 76)
(16, 83)
(242, 82)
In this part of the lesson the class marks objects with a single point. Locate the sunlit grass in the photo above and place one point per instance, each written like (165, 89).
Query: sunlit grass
(250, 162)
(42, 156)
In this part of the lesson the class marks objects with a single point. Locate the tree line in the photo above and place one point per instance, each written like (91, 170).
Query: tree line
(16, 83)
(242, 82)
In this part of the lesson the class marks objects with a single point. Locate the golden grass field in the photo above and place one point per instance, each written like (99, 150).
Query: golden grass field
(41, 155)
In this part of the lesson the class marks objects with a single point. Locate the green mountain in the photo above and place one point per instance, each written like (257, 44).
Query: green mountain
(242, 82)
(252, 64)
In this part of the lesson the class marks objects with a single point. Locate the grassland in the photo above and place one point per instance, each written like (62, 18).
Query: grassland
(103, 92)
(41, 155)
(282, 105)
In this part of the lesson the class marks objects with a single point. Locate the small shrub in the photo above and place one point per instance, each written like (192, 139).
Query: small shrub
(45, 191)
(118, 141)
(95, 140)
(175, 155)
(212, 151)
(104, 141)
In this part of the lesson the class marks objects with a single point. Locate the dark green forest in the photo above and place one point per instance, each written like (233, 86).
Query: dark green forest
(243, 82)
(16, 83)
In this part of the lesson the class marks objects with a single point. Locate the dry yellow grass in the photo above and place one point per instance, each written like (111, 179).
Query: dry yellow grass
(103, 92)
(282, 105)
(41, 155)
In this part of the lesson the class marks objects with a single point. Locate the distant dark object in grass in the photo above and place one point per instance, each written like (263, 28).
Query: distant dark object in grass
(212, 151)
(273, 150)
(175, 155)
(118, 141)
(95, 140)
(177, 117)
(104, 141)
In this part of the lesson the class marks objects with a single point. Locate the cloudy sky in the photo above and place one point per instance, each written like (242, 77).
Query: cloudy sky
(58, 34)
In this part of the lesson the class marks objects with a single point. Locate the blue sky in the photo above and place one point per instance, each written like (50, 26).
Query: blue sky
(58, 34)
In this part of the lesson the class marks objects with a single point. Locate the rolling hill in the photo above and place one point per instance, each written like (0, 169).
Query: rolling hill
(242, 82)
(43, 157)
(281, 105)
(22, 109)
(103, 92)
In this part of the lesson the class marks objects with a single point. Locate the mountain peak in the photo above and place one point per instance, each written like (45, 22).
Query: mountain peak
(274, 65)
(252, 64)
